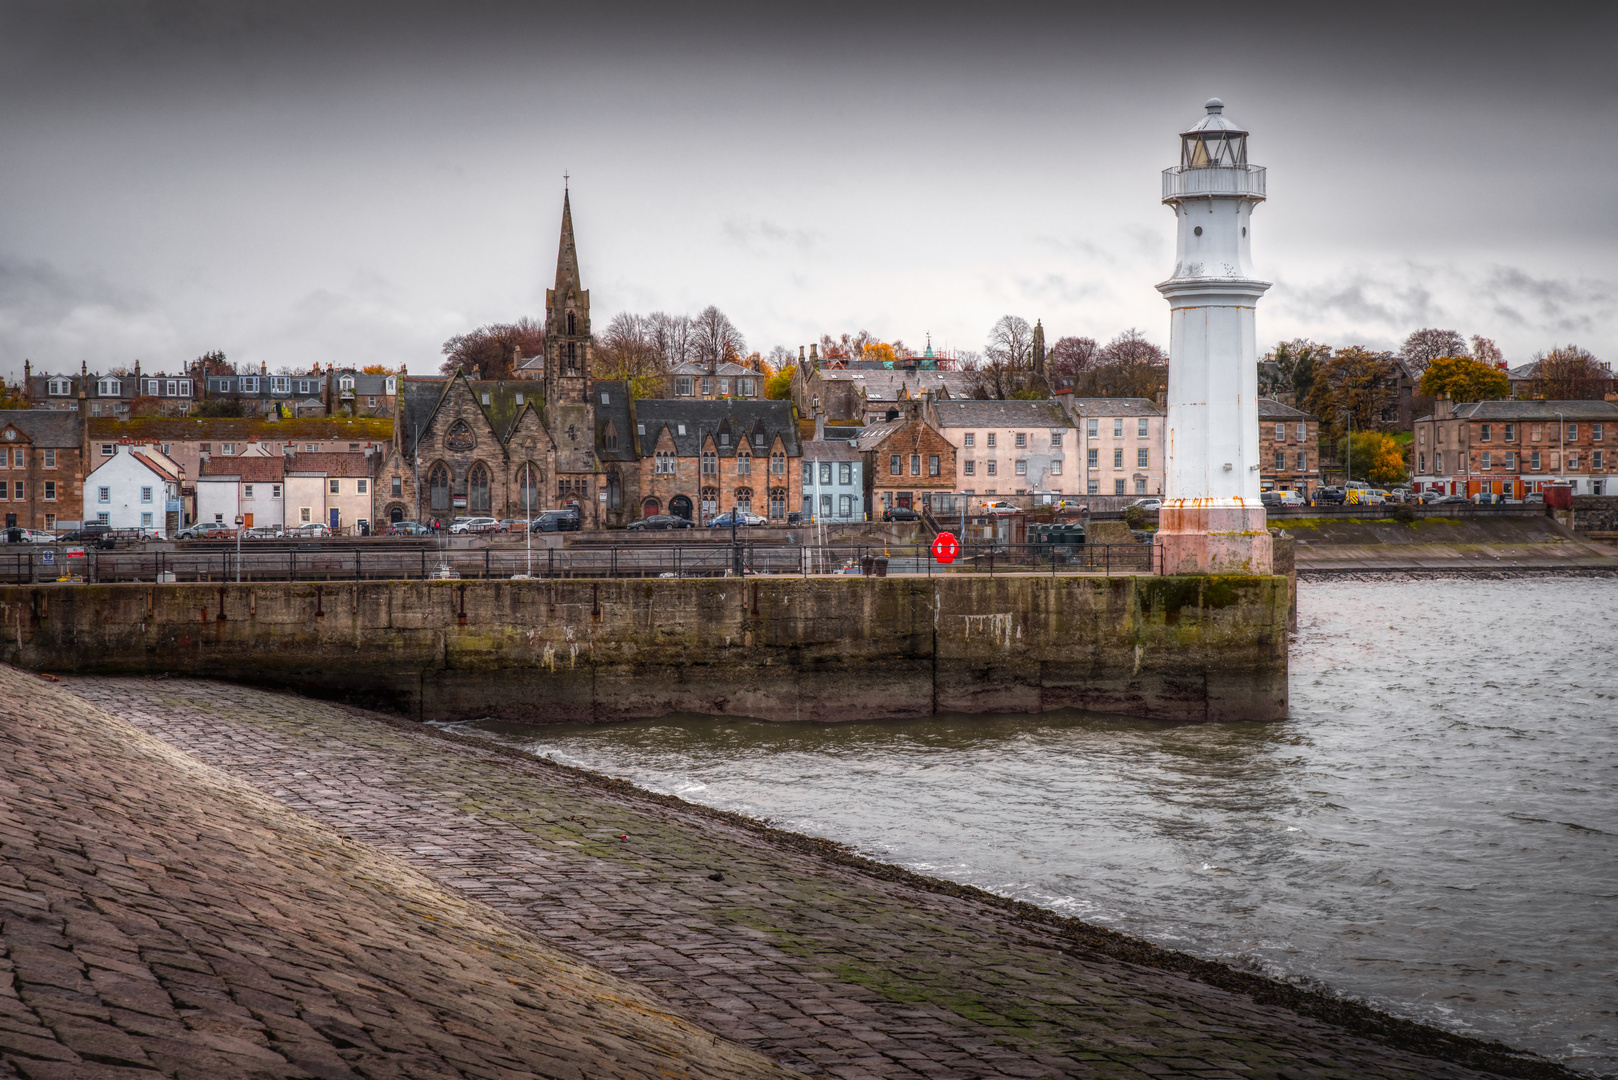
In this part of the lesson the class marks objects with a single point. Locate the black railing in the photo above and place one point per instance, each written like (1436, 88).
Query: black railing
(27, 565)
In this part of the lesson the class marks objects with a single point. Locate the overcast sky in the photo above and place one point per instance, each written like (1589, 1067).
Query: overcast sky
(299, 182)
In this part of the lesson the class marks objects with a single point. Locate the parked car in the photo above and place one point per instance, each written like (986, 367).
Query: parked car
(1488, 498)
(1430, 496)
(999, 506)
(1536, 498)
(901, 513)
(408, 528)
(1447, 500)
(741, 517)
(19, 535)
(265, 532)
(659, 522)
(558, 521)
(1270, 499)
(1330, 495)
(310, 530)
(1150, 505)
(206, 530)
(466, 525)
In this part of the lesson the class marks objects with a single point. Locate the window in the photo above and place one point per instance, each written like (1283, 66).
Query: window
(971, 440)
(103, 518)
(1573, 462)
(572, 358)
(1533, 433)
(993, 468)
(1118, 457)
(1022, 466)
(1022, 440)
(108, 388)
(1091, 458)
(895, 468)
(724, 438)
(303, 514)
(1056, 438)
(825, 472)
(758, 438)
(275, 491)
(308, 448)
(249, 384)
(1143, 428)
(227, 448)
(397, 487)
(971, 468)
(106, 449)
(359, 487)
(1118, 430)
(724, 387)
(1118, 488)
(915, 464)
(707, 387)
(1438, 462)
(1056, 467)
(1595, 465)
(990, 443)
(1595, 432)
(519, 399)
(1511, 433)
(280, 384)
(438, 489)
(1511, 461)
(932, 465)
(50, 485)
(104, 494)
(333, 486)
(484, 397)
(1486, 456)
(609, 438)
(1280, 460)
(1303, 462)
(1140, 486)
(1092, 487)
(50, 457)
(825, 506)
(16, 456)
(477, 495)
(778, 466)
(710, 463)
(682, 386)
(1485, 432)
(1280, 433)
(845, 506)
(744, 464)
(679, 429)
(845, 473)
(1573, 433)
(1142, 457)
(1091, 428)
(1303, 432)
(152, 387)
(1534, 467)
(665, 464)
(59, 387)
(744, 387)
(146, 520)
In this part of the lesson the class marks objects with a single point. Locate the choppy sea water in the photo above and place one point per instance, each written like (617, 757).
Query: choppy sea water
(1434, 830)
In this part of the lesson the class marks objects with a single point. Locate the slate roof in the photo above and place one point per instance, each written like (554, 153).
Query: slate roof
(1270, 409)
(884, 384)
(257, 469)
(157, 467)
(616, 410)
(737, 418)
(238, 429)
(872, 435)
(729, 369)
(328, 464)
(44, 427)
(982, 414)
(830, 450)
(1536, 410)
(843, 431)
(419, 397)
(1120, 406)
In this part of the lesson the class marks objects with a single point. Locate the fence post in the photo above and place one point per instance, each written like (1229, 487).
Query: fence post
(356, 564)
(1109, 558)
(486, 563)
(292, 568)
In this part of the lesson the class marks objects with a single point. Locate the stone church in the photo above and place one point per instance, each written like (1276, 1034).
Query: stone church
(465, 446)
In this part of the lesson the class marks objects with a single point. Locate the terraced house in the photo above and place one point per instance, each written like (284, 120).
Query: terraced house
(1122, 440)
(42, 467)
(1009, 447)
(1516, 448)
(702, 458)
(1288, 448)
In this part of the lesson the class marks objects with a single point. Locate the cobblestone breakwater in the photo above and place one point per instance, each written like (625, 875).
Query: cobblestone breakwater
(822, 962)
(161, 918)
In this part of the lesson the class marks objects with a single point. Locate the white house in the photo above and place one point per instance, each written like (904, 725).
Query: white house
(252, 485)
(138, 487)
(1009, 447)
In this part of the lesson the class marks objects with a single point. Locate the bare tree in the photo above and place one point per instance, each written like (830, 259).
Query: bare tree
(1424, 346)
(1011, 342)
(1071, 355)
(670, 336)
(1486, 351)
(626, 350)
(715, 338)
(1570, 374)
(781, 358)
(489, 350)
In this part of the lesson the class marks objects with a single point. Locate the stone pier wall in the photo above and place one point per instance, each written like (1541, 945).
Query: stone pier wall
(825, 649)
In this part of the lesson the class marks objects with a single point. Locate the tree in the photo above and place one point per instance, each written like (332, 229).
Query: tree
(780, 358)
(1349, 382)
(213, 363)
(715, 338)
(878, 352)
(626, 350)
(376, 369)
(778, 387)
(994, 379)
(1424, 346)
(1128, 366)
(1070, 356)
(1378, 458)
(1294, 368)
(222, 407)
(1570, 374)
(670, 336)
(1486, 351)
(489, 350)
(1011, 342)
(1464, 379)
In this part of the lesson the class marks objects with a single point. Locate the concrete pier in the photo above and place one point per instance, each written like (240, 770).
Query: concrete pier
(780, 648)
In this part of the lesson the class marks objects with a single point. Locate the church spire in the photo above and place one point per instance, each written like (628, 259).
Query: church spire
(567, 257)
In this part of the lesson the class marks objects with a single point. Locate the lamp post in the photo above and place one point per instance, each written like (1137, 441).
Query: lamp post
(239, 523)
(735, 550)
(1561, 450)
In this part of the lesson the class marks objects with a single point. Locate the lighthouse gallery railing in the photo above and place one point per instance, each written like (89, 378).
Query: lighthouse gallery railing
(1180, 182)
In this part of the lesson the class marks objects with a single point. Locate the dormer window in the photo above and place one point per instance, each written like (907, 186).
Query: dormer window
(280, 384)
(59, 387)
(609, 438)
(485, 397)
(393, 384)
(724, 438)
(249, 384)
(605, 400)
(108, 388)
(519, 397)
(346, 382)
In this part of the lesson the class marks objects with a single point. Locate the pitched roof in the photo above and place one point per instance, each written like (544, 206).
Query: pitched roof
(329, 464)
(234, 429)
(972, 413)
(728, 369)
(257, 469)
(421, 397)
(567, 257)
(1537, 410)
(1117, 406)
(873, 434)
(884, 384)
(737, 418)
(830, 450)
(156, 466)
(44, 427)
(611, 399)
(1270, 409)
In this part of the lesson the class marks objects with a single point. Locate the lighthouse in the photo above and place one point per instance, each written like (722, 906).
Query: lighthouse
(1212, 521)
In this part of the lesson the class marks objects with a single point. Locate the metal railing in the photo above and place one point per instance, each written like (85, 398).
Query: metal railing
(28, 566)
(1245, 181)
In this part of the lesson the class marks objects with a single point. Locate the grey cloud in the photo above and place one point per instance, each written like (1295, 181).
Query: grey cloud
(759, 233)
(1363, 298)
(58, 319)
(1559, 304)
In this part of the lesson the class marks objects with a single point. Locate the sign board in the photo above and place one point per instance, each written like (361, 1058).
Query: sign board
(459, 502)
(49, 557)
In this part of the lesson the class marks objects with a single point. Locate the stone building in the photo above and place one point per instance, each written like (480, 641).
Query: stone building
(1121, 441)
(864, 394)
(1288, 449)
(1515, 448)
(907, 461)
(43, 467)
(702, 458)
(710, 380)
(1009, 447)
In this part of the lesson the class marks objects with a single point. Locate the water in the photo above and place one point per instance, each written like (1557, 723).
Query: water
(1434, 831)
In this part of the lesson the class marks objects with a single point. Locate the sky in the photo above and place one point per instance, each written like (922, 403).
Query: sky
(353, 183)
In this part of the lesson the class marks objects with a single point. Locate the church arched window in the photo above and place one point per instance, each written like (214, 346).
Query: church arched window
(609, 437)
(572, 358)
(438, 489)
(572, 325)
(528, 490)
(477, 501)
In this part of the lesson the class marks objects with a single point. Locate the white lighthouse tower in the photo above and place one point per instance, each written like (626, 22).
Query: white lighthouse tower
(1212, 521)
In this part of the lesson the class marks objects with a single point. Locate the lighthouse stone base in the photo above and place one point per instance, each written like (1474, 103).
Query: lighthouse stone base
(1198, 537)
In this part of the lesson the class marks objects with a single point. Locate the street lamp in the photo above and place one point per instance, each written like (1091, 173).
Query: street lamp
(239, 523)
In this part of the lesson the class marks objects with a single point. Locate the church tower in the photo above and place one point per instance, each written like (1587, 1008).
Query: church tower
(567, 324)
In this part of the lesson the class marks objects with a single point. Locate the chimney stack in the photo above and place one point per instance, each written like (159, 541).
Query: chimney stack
(820, 425)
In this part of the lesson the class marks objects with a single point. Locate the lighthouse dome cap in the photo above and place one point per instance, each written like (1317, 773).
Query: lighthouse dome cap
(1216, 122)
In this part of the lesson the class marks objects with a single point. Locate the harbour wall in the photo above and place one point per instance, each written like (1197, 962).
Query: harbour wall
(819, 648)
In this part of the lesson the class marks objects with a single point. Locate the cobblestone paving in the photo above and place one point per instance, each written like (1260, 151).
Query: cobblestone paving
(161, 918)
(816, 963)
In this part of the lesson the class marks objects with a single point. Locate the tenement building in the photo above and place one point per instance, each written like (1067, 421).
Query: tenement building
(41, 467)
(1121, 443)
(1516, 448)
(908, 461)
(1288, 448)
(1008, 447)
(702, 458)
